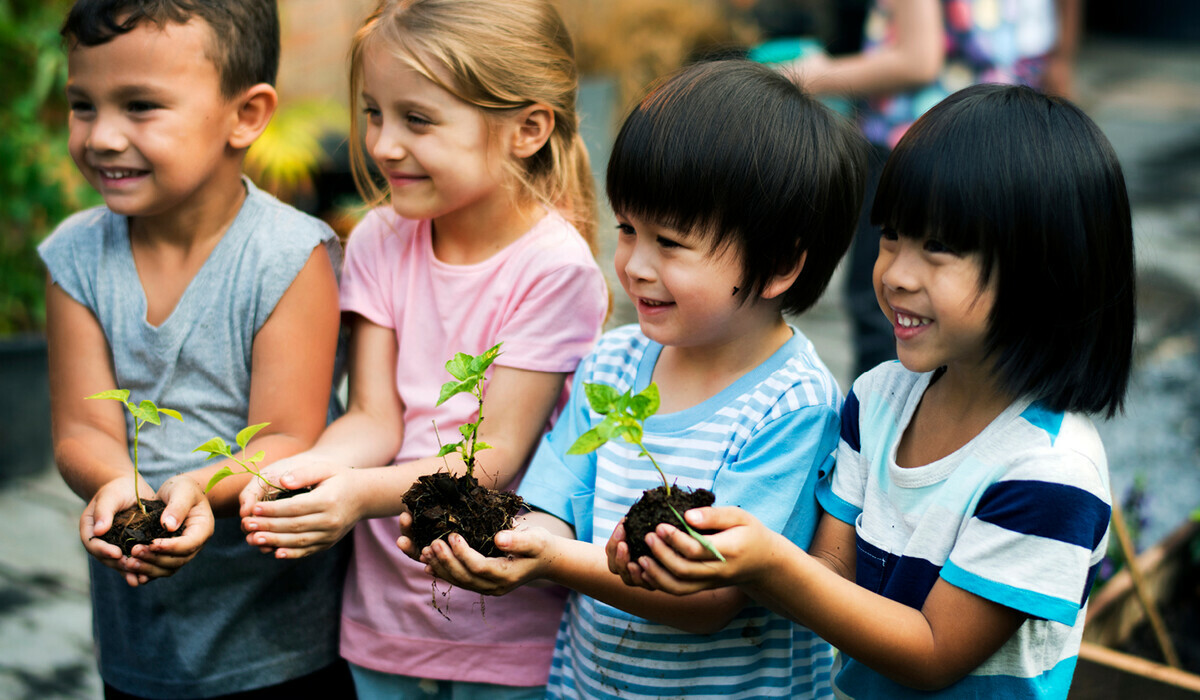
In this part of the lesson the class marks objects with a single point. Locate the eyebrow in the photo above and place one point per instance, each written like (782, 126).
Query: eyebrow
(123, 92)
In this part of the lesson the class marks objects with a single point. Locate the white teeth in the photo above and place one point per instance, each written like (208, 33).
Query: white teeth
(910, 321)
(118, 174)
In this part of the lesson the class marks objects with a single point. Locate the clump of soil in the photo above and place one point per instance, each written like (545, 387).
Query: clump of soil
(282, 494)
(651, 509)
(442, 503)
(132, 527)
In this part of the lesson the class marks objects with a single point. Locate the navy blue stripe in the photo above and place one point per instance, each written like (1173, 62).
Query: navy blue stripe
(903, 579)
(1055, 511)
(850, 422)
(1091, 580)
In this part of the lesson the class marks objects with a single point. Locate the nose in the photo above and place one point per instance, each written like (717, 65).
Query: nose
(897, 267)
(639, 264)
(105, 134)
(386, 143)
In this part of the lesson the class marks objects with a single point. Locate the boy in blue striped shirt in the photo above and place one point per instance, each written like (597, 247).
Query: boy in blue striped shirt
(736, 196)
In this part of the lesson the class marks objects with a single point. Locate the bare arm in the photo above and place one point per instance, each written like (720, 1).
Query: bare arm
(914, 57)
(517, 405)
(92, 453)
(952, 633)
(291, 375)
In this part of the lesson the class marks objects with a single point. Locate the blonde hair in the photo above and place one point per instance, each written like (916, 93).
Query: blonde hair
(503, 55)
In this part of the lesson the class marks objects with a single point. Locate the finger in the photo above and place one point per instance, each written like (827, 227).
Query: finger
(717, 518)
(409, 547)
(679, 541)
(308, 542)
(658, 578)
(95, 546)
(306, 475)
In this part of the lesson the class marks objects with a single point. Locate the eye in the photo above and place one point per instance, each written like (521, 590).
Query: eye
(665, 242)
(140, 106)
(933, 245)
(888, 234)
(82, 108)
(625, 230)
(417, 120)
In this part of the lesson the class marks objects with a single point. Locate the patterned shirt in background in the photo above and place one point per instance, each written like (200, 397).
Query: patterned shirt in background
(987, 41)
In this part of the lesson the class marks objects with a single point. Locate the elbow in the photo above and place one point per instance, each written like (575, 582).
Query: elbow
(929, 677)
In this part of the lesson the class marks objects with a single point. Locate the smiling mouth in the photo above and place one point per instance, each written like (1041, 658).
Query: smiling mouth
(113, 174)
(909, 321)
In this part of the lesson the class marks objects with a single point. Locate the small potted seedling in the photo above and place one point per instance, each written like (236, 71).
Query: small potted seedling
(216, 447)
(625, 417)
(442, 503)
(139, 524)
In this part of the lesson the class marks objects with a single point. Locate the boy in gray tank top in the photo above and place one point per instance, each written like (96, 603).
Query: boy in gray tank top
(191, 288)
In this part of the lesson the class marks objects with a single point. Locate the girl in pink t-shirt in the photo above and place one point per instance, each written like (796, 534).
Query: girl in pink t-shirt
(470, 119)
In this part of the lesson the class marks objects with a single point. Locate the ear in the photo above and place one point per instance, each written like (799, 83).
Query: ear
(255, 107)
(534, 124)
(783, 282)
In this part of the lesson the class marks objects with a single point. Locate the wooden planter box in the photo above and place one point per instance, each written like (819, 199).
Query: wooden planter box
(1113, 613)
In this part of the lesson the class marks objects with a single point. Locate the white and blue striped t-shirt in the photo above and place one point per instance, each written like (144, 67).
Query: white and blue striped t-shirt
(762, 444)
(1019, 516)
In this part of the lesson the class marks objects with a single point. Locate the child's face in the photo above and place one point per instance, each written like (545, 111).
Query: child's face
(932, 296)
(683, 291)
(439, 154)
(149, 127)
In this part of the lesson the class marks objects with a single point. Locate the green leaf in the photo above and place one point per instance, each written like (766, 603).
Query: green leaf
(480, 363)
(217, 478)
(453, 388)
(467, 430)
(646, 403)
(447, 449)
(588, 442)
(113, 394)
(696, 535)
(631, 432)
(601, 397)
(258, 457)
(147, 412)
(172, 413)
(215, 447)
(482, 446)
(244, 435)
(459, 366)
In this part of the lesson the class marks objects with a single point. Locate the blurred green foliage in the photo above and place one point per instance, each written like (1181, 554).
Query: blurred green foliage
(39, 185)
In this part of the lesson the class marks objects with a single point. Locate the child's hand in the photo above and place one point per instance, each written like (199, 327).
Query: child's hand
(304, 524)
(681, 565)
(617, 550)
(97, 518)
(528, 552)
(187, 508)
(404, 542)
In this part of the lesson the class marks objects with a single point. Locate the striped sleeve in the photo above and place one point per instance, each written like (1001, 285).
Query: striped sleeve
(1031, 539)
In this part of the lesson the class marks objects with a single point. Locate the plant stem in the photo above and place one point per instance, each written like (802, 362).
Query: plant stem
(662, 475)
(137, 428)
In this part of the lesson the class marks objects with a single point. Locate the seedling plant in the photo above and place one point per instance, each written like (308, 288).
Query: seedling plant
(140, 524)
(625, 417)
(143, 413)
(441, 503)
(216, 447)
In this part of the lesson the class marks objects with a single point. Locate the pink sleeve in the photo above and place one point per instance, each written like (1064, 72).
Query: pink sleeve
(557, 320)
(365, 289)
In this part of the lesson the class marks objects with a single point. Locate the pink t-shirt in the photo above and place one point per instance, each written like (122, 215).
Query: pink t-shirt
(545, 298)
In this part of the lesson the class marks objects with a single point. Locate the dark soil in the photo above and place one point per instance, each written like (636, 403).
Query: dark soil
(282, 494)
(132, 527)
(442, 503)
(651, 509)
(1180, 611)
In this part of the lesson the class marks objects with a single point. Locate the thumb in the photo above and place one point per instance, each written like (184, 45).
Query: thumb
(522, 543)
(721, 518)
(306, 475)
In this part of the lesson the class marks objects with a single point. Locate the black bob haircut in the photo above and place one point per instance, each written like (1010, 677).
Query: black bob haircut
(1030, 184)
(245, 33)
(737, 155)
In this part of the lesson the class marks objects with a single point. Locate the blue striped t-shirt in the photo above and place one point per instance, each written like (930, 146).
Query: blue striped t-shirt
(1018, 515)
(761, 444)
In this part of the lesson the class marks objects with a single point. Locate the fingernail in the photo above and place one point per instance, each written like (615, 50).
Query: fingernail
(251, 525)
(258, 510)
(170, 522)
(503, 539)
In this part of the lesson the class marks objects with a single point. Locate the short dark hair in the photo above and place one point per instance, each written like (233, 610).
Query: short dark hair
(245, 33)
(739, 155)
(1031, 184)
